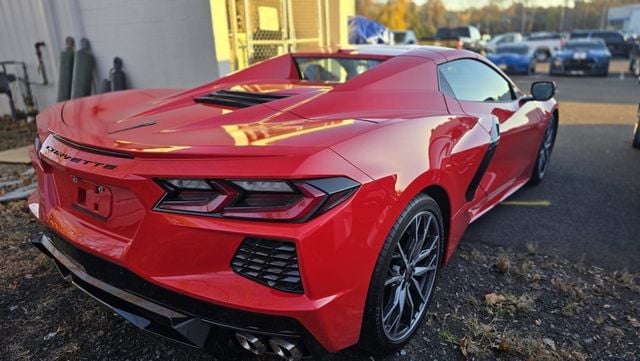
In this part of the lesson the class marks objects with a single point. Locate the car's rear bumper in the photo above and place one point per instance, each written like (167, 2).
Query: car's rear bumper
(166, 313)
(192, 256)
(580, 68)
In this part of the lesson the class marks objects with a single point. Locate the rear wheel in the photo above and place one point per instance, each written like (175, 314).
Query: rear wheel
(544, 153)
(542, 55)
(404, 277)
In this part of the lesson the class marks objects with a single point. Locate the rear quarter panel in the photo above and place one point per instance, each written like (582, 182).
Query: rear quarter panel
(406, 156)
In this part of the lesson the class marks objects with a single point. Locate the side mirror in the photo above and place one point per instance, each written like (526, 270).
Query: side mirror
(543, 90)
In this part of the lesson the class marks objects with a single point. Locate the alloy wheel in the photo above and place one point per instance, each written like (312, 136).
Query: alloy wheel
(411, 276)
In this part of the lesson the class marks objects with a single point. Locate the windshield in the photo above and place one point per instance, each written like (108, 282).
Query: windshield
(584, 46)
(335, 70)
(580, 35)
(520, 50)
(399, 37)
(444, 33)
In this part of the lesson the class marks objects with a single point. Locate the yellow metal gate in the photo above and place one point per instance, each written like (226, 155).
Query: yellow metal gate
(261, 29)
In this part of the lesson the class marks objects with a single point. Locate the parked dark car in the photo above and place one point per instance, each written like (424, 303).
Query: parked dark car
(461, 37)
(616, 42)
(581, 57)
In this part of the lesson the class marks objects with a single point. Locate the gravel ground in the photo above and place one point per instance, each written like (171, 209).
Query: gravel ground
(15, 134)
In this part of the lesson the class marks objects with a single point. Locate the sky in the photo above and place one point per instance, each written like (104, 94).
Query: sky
(462, 4)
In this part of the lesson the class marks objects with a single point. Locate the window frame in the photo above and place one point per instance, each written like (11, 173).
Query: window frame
(512, 90)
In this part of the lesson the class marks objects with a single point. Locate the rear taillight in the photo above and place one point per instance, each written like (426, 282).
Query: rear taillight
(280, 200)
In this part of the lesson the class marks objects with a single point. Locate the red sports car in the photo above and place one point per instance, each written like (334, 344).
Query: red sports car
(300, 206)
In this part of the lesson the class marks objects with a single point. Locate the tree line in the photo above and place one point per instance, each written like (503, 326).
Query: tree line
(498, 16)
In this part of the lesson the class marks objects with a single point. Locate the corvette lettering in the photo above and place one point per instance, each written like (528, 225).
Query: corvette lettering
(65, 156)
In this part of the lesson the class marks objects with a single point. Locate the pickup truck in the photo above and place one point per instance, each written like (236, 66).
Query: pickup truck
(544, 44)
(404, 37)
(503, 39)
(461, 37)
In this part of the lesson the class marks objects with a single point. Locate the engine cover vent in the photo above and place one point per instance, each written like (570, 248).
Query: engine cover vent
(238, 99)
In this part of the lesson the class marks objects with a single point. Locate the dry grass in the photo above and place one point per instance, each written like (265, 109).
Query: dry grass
(583, 113)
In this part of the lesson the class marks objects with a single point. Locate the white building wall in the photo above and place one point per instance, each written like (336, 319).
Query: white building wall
(22, 24)
(629, 15)
(163, 43)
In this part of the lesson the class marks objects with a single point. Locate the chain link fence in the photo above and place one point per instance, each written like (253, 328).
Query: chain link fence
(261, 29)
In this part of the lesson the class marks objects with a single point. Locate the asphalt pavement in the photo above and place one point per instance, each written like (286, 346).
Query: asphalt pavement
(588, 207)
(615, 88)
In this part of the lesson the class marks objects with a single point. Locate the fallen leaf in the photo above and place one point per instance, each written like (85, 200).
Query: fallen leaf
(503, 264)
(613, 332)
(634, 322)
(505, 346)
(464, 345)
(494, 298)
(549, 342)
(486, 328)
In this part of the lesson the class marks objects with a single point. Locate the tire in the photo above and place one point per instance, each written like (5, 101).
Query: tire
(542, 55)
(380, 336)
(543, 158)
(532, 69)
(636, 134)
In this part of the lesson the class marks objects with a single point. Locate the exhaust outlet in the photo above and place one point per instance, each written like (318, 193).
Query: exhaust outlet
(287, 350)
(251, 343)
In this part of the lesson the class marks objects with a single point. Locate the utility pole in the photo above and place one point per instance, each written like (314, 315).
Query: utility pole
(523, 21)
(604, 16)
(563, 15)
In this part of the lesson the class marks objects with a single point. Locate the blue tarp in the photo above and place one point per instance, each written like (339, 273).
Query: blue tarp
(363, 30)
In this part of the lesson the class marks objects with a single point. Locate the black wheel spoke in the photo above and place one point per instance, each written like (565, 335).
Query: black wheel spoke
(421, 271)
(411, 308)
(420, 236)
(403, 256)
(416, 284)
(394, 305)
(426, 252)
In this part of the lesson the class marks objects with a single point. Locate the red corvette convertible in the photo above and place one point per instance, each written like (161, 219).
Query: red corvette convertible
(298, 207)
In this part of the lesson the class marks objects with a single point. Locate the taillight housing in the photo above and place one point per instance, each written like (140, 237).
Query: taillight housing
(257, 199)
